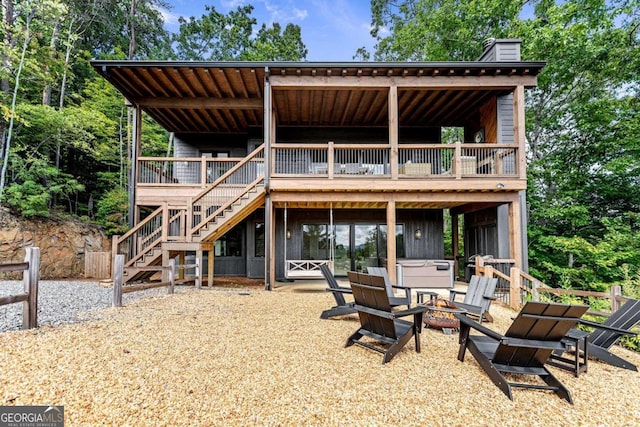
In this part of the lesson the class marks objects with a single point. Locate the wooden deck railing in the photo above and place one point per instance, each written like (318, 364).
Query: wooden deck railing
(183, 170)
(330, 161)
(375, 160)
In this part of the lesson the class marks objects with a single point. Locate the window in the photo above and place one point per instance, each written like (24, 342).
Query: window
(258, 247)
(230, 244)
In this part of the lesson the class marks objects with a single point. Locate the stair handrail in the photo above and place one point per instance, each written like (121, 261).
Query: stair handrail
(198, 206)
(132, 252)
(226, 205)
(230, 172)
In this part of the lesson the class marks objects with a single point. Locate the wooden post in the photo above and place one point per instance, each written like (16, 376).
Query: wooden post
(391, 241)
(118, 270)
(457, 160)
(114, 248)
(479, 261)
(488, 271)
(330, 160)
(534, 291)
(172, 275)
(514, 288)
(616, 291)
(393, 131)
(30, 278)
(210, 267)
(455, 245)
(515, 231)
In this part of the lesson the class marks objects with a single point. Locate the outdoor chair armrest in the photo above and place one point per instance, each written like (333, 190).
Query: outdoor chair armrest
(607, 328)
(411, 311)
(521, 342)
(453, 293)
(340, 290)
(464, 320)
(407, 291)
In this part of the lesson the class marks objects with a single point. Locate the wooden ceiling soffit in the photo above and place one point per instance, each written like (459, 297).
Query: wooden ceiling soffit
(201, 102)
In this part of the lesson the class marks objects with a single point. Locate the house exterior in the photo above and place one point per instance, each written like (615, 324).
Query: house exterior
(279, 167)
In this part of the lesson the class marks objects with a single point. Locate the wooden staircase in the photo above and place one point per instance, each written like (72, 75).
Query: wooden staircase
(208, 216)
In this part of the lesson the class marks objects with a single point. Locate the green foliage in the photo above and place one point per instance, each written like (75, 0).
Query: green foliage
(218, 37)
(112, 211)
(437, 30)
(35, 184)
(591, 264)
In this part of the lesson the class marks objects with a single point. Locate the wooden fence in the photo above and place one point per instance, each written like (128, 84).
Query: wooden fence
(30, 275)
(523, 286)
(118, 274)
(97, 265)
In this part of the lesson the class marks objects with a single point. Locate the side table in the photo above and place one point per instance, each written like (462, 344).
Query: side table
(421, 293)
(577, 340)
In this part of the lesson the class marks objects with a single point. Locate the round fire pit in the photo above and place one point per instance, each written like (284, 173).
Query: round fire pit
(440, 314)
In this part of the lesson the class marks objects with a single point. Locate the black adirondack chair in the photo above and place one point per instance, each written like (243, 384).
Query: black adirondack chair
(600, 341)
(379, 322)
(391, 289)
(342, 307)
(478, 297)
(535, 333)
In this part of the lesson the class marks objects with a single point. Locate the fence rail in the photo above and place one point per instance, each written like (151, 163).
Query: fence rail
(118, 274)
(522, 286)
(30, 276)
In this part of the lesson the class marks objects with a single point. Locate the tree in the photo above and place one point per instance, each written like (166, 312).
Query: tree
(218, 37)
(582, 119)
(439, 30)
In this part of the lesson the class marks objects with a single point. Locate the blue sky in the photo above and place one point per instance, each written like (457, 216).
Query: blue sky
(332, 30)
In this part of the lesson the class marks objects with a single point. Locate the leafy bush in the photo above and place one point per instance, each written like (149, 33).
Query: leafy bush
(112, 211)
(36, 184)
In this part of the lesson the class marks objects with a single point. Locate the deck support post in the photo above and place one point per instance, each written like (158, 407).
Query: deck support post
(391, 241)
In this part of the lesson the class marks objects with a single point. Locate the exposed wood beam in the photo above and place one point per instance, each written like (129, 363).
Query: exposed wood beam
(353, 82)
(200, 102)
(377, 197)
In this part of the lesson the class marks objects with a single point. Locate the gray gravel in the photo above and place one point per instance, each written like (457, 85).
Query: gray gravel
(62, 301)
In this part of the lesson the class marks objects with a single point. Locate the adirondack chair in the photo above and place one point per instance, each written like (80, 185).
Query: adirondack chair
(393, 298)
(379, 322)
(598, 343)
(342, 307)
(535, 333)
(478, 297)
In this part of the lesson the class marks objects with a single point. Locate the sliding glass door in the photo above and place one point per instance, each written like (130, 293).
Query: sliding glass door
(355, 246)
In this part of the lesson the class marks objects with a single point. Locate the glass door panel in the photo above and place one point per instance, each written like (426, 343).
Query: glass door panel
(315, 242)
(342, 249)
(365, 246)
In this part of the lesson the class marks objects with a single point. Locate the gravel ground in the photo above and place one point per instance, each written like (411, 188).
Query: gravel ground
(231, 357)
(62, 301)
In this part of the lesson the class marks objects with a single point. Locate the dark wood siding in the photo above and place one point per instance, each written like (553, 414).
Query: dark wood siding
(430, 222)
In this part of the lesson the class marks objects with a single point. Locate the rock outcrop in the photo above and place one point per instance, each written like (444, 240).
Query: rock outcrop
(63, 243)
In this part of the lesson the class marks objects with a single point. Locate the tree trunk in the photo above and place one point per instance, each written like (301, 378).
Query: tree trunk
(46, 92)
(5, 85)
(16, 86)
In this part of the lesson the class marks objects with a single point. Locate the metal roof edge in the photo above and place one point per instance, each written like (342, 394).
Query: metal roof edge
(321, 64)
